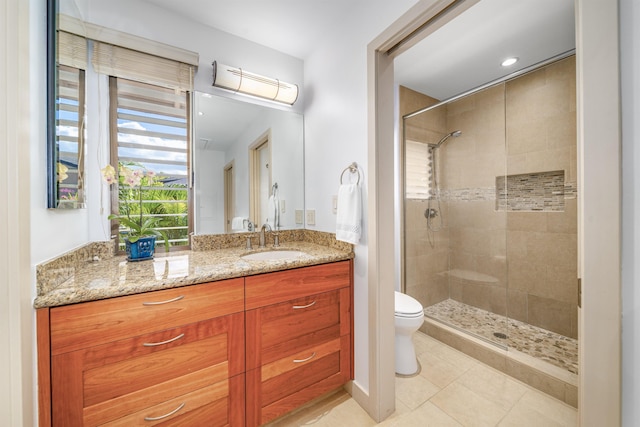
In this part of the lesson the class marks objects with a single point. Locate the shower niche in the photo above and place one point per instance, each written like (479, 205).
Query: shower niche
(496, 258)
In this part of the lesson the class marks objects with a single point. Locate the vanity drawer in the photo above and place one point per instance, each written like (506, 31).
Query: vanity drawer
(97, 322)
(279, 330)
(109, 382)
(208, 406)
(285, 384)
(273, 288)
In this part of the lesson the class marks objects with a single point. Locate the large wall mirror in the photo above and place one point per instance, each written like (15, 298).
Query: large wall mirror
(66, 65)
(248, 163)
(247, 155)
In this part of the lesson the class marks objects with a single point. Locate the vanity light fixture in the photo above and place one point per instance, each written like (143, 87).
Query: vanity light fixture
(509, 61)
(239, 80)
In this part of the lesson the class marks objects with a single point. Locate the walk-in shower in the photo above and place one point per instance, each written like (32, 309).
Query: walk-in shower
(490, 243)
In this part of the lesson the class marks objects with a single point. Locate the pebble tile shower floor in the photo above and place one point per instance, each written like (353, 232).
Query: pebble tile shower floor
(545, 345)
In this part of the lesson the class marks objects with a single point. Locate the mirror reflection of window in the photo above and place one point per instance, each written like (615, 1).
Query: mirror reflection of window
(70, 120)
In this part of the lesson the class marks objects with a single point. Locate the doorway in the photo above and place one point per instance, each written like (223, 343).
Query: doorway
(598, 177)
(259, 178)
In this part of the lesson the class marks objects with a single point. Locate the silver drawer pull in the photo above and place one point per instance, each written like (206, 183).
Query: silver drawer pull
(165, 415)
(297, 307)
(304, 360)
(153, 344)
(178, 298)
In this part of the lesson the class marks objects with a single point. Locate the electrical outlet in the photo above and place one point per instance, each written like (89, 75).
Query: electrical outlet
(299, 216)
(311, 217)
(334, 204)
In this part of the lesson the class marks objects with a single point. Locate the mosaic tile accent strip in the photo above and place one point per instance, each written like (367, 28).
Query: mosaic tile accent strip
(469, 194)
(544, 345)
(540, 191)
(570, 190)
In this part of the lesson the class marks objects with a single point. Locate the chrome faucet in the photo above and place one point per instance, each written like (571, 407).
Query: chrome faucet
(262, 234)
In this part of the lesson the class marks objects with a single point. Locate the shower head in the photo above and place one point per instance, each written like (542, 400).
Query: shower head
(455, 134)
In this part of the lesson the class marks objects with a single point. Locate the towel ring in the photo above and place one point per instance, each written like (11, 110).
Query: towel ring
(352, 168)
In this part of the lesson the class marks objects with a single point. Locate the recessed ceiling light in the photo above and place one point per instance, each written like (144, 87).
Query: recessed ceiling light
(509, 61)
(200, 113)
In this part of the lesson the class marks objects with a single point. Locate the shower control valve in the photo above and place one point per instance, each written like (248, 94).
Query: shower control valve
(430, 213)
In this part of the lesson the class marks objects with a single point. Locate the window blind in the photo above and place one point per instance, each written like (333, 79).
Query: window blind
(418, 180)
(134, 65)
(152, 134)
(72, 50)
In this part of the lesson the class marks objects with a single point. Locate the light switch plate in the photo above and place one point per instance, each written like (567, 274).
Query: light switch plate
(282, 207)
(334, 204)
(311, 217)
(299, 216)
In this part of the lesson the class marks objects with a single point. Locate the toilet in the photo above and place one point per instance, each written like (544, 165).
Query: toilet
(409, 316)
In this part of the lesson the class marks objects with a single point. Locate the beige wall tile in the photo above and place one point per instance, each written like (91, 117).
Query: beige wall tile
(550, 314)
(527, 221)
(517, 305)
(562, 283)
(564, 222)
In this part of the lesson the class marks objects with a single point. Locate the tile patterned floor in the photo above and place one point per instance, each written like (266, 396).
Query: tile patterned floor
(451, 390)
(548, 346)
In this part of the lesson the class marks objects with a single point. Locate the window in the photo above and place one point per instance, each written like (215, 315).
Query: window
(418, 171)
(150, 133)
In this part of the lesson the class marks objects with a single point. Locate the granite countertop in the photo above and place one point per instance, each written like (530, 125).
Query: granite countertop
(115, 276)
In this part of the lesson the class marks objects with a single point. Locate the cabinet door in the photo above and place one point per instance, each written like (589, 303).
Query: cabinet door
(296, 351)
(194, 370)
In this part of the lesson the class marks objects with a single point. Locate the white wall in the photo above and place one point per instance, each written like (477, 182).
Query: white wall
(336, 135)
(630, 64)
(149, 21)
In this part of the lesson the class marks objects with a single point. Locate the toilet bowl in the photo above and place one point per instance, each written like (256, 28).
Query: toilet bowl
(409, 316)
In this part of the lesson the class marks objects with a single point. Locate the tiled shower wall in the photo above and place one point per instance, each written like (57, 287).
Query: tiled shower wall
(542, 246)
(426, 262)
(522, 263)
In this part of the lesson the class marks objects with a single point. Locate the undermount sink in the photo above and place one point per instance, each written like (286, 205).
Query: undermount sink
(272, 255)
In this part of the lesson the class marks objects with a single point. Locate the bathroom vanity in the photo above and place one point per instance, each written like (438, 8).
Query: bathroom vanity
(235, 351)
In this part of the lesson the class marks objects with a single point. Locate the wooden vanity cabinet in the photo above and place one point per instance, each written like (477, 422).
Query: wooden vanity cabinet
(172, 357)
(298, 338)
(237, 352)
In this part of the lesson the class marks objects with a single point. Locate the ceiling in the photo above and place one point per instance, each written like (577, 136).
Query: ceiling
(467, 52)
(461, 55)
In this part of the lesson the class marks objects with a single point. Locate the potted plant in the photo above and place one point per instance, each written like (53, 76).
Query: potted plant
(141, 234)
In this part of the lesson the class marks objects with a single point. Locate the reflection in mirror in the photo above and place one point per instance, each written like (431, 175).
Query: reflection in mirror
(236, 173)
(67, 61)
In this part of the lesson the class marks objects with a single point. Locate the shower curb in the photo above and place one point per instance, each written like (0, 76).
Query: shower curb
(549, 379)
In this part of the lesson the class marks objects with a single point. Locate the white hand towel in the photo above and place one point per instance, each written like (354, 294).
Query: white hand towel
(349, 215)
(237, 223)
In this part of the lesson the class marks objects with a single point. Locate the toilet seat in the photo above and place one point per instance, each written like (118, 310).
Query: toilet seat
(406, 306)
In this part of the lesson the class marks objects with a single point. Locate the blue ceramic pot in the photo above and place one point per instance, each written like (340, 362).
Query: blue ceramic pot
(141, 249)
